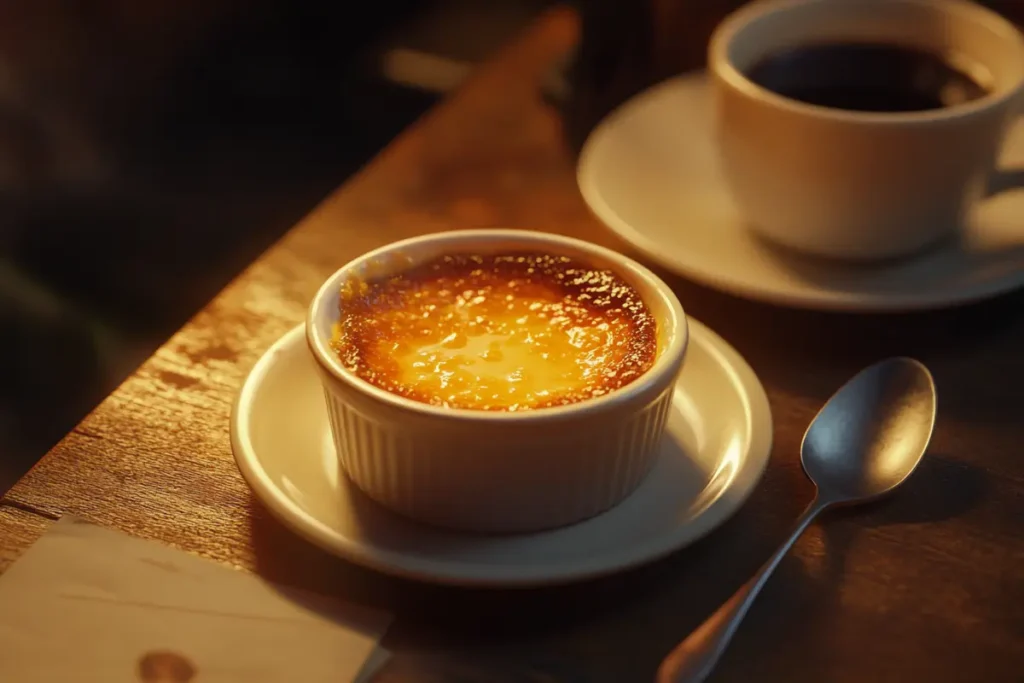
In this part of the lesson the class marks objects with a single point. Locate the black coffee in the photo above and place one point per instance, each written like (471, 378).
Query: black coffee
(866, 77)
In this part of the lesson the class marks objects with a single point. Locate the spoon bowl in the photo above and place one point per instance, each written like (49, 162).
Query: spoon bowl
(872, 433)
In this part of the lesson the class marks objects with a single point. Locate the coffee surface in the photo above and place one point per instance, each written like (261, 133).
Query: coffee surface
(866, 77)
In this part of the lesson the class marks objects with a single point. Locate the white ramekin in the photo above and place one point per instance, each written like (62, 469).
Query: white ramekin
(494, 471)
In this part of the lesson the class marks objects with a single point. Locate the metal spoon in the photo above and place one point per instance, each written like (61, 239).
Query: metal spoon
(863, 443)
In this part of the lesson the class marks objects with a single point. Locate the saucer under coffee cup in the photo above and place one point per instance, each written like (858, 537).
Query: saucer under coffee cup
(875, 176)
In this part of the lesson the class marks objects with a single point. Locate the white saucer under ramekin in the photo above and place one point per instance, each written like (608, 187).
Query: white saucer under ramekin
(714, 452)
(650, 172)
(497, 471)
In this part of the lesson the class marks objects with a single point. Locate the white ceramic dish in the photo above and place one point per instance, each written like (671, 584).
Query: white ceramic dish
(650, 172)
(497, 471)
(714, 451)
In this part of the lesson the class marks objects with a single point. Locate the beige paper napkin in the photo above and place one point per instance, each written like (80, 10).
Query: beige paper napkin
(91, 605)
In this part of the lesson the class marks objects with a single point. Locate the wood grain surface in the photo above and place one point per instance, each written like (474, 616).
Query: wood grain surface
(18, 530)
(926, 586)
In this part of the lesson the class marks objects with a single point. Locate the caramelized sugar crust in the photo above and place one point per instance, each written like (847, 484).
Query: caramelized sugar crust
(508, 332)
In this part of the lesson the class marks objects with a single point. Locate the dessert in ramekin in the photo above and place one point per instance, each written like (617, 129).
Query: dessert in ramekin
(496, 380)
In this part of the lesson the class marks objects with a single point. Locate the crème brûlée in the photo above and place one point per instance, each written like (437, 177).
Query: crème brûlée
(506, 332)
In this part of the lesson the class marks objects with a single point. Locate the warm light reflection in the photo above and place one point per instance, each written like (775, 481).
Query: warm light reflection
(722, 476)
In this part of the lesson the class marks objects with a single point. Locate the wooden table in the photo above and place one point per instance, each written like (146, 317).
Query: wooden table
(928, 586)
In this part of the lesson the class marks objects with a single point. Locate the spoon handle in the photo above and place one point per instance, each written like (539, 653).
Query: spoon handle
(693, 659)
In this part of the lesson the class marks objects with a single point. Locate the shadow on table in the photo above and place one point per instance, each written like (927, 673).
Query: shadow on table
(472, 668)
(941, 489)
(802, 601)
(609, 629)
(810, 353)
(549, 634)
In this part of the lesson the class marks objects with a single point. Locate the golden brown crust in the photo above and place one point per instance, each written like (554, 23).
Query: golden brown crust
(515, 331)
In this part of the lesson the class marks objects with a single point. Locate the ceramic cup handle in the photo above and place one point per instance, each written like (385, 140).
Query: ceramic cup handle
(1005, 179)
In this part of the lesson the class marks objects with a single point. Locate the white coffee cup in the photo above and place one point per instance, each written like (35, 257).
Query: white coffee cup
(862, 185)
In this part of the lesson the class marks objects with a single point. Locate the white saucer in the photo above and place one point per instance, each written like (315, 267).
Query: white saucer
(650, 172)
(720, 435)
